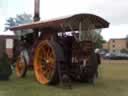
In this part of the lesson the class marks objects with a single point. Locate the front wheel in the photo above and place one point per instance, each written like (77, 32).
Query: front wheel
(21, 67)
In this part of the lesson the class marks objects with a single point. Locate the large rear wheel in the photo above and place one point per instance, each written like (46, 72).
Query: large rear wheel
(47, 55)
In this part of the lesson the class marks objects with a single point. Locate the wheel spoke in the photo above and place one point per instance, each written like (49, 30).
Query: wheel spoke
(49, 73)
(51, 61)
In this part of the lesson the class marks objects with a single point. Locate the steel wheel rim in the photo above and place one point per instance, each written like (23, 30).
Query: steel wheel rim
(44, 61)
(20, 66)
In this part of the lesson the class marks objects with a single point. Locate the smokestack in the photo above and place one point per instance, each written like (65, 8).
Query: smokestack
(36, 10)
(36, 17)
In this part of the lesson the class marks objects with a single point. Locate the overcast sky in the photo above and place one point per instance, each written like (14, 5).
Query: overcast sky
(114, 11)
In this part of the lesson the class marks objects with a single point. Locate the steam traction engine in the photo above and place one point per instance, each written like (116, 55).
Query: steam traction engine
(59, 49)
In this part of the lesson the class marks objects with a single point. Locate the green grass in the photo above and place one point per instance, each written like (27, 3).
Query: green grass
(113, 81)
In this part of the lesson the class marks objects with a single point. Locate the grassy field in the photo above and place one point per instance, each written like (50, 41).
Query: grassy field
(113, 81)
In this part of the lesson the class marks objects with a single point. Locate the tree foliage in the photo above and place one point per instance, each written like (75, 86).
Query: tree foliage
(18, 20)
(99, 41)
(124, 51)
(5, 67)
(97, 38)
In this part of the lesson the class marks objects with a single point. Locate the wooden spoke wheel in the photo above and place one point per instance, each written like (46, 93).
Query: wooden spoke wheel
(21, 67)
(45, 62)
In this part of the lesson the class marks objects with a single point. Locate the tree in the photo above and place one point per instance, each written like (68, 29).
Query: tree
(124, 51)
(19, 20)
(5, 67)
(97, 38)
(99, 41)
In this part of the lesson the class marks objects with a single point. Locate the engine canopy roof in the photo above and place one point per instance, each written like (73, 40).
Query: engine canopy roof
(62, 24)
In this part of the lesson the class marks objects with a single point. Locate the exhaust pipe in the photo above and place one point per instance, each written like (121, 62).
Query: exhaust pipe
(36, 10)
(36, 17)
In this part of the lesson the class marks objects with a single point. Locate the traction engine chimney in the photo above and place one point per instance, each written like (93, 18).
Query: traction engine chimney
(36, 10)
